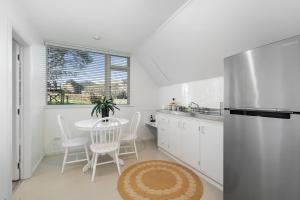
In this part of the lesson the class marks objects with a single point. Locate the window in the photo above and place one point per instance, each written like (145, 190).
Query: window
(81, 77)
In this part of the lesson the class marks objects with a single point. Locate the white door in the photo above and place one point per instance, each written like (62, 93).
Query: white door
(162, 131)
(174, 136)
(190, 142)
(212, 150)
(16, 108)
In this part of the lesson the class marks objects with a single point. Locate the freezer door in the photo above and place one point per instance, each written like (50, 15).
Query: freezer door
(261, 157)
(266, 77)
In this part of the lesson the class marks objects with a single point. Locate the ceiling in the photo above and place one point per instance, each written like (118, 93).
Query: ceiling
(193, 45)
(122, 25)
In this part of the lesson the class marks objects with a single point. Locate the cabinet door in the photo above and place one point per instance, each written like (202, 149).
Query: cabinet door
(212, 150)
(190, 143)
(162, 128)
(174, 136)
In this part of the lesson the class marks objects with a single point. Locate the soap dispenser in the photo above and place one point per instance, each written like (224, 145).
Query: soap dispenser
(173, 104)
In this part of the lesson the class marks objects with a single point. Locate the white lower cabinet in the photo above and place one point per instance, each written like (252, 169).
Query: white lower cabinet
(211, 154)
(197, 142)
(162, 131)
(174, 139)
(190, 143)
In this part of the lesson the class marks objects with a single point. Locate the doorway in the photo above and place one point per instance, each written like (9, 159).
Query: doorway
(17, 87)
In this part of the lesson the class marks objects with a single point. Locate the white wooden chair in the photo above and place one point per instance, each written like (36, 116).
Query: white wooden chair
(70, 142)
(105, 137)
(129, 140)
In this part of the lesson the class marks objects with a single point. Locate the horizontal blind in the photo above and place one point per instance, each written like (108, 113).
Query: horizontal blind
(118, 61)
(81, 77)
(119, 79)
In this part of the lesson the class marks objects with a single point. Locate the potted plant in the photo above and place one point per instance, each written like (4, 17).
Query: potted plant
(103, 106)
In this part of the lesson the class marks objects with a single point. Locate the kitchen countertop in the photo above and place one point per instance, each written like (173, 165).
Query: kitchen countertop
(153, 124)
(208, 116)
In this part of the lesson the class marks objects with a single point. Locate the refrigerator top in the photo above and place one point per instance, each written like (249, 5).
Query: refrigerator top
(286, 41)
(267, 77)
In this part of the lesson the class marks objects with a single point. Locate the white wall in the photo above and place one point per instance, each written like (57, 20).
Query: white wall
(206, 93)
(5, 106)
(193, 43)
(143, 97)
(37, 103)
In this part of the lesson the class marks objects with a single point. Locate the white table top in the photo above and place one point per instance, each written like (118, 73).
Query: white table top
(87, 125)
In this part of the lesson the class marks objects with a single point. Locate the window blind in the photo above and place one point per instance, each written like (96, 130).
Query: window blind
(81, 77)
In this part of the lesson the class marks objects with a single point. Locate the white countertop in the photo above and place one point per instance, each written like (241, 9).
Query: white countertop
(213, 117)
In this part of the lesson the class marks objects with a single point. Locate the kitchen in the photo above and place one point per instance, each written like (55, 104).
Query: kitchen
(149, 99)
(184, 126)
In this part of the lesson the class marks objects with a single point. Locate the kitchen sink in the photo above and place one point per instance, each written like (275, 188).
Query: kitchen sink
(209, 113)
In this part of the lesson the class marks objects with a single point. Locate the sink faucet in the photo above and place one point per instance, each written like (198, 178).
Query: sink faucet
(195, 105)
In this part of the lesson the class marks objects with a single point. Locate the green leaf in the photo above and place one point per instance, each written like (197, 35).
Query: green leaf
(104, 103)
(112, 109)
(97, 111)
(93, 111)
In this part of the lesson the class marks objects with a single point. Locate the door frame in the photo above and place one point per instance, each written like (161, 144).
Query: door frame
(25, 166)
(18, 107)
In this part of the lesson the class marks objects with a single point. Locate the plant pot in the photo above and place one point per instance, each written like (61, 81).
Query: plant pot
(105, 112)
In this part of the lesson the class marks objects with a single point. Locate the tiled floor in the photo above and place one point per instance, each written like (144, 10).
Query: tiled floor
(48, 184)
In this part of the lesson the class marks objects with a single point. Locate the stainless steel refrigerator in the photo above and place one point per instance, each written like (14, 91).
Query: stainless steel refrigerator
(262, 123)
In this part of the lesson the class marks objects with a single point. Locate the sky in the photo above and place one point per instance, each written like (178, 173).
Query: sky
(94, 71)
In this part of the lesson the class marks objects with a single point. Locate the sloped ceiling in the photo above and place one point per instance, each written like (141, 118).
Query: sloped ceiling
(193, 43)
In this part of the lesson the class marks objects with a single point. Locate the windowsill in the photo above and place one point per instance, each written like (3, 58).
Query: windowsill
(78, 106)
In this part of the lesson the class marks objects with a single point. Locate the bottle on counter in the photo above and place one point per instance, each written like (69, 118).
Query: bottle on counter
(152, 119)
(173, 105)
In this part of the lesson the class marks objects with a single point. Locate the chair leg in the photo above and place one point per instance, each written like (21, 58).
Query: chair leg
(92, 160)
(135, 149)
(88, 165)
(119, 148)
(87, 153)
(65, 160)
(94, 166)
(117, 162)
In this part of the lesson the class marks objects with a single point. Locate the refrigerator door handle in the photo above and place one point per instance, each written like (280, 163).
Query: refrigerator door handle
(261, 113)
(263, 110)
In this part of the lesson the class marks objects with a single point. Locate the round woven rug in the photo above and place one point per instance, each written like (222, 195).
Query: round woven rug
(159, 180)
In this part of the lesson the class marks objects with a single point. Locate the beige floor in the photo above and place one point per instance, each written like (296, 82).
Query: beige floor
(48, 184)
(15, 185)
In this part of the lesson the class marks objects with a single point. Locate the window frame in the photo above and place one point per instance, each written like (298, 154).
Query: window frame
(107, 72)
(119, 68)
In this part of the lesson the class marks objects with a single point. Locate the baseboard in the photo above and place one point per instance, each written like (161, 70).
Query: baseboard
(211, 181)
(37, 164)
(54, 153)
(62, 152)
(145, 139)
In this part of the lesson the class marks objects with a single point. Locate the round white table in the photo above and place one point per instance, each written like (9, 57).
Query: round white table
(87, 125)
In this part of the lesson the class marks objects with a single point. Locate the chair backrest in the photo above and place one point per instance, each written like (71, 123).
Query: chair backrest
(106, 131)
(134, 124)
(64, 129)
